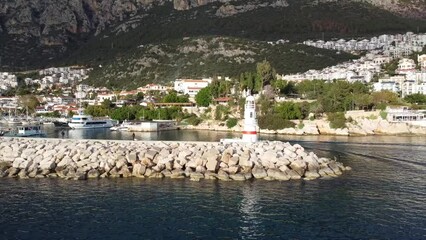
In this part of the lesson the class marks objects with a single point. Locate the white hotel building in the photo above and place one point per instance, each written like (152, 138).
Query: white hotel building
(191, 86)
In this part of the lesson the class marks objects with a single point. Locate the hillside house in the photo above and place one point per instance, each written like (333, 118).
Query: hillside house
(405, 66)
(191, 86)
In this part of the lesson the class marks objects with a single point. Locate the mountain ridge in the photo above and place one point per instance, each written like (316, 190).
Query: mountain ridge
(41, 32)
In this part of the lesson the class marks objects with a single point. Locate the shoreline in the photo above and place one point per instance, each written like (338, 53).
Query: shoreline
(366, 127)
(91, 159)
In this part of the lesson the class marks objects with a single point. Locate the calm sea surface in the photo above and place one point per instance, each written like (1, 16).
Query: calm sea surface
(383, 197)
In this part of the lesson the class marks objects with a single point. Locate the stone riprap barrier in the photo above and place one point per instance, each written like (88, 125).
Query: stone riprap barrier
(87, 159)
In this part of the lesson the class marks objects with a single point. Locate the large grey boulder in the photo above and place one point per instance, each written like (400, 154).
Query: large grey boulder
(277, 174)
(22, 174)
(139, 170)
(221, 175)
(299, 166)
(259, 172)
(17, 162)
(12, 172)
(227, 155)
(47, 164)
(132, 157)
(210, 175)
(93, 173)
(233, 161)
(232, 169)
(311, 175)
(246, 162)
(211, 155)
(212, 165)
(150, 154)
(177, 173)
(125, 172)
(184, 154)
(196, 176)
(269, 156)
(80, 175)
(237, 177)
(335, 167)
(200, 169)
(288, 152)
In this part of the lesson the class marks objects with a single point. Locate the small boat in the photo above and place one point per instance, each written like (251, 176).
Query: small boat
(62, 122)
(47, 123)
(124, 126)
(82, 121)
(26, 131)
(119, 128)
(13, 120)
(3, 131)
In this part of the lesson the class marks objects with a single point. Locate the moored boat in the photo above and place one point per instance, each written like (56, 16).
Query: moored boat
(62, 122)
(26, 131)
(82, 121)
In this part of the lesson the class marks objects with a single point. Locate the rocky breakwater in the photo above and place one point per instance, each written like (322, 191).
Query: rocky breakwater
(86, 159)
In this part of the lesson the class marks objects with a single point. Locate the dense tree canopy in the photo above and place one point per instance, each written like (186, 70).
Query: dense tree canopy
(417, 98)
(173, 97)
(204, 97)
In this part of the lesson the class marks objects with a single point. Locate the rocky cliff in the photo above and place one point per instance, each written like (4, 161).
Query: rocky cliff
(47, 28)
(43, 18)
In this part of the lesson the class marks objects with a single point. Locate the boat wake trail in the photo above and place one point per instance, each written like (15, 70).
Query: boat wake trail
(421, 165)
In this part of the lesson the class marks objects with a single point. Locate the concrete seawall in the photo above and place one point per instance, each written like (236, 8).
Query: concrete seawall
(86, 159)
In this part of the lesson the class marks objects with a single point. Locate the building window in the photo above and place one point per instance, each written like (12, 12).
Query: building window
(251, 115)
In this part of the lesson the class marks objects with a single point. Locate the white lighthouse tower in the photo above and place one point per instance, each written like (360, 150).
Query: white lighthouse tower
(250, 122)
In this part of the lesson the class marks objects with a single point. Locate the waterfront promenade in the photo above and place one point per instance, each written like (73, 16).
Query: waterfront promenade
(87, 159)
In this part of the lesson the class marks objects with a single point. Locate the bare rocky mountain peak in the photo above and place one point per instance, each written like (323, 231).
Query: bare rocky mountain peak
(50, 27)
(42, 17)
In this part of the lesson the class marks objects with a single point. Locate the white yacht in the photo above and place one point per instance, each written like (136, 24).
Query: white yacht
(26, 131)
(82, 121)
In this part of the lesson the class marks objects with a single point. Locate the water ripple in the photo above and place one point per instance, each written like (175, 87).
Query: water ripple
(381, 198)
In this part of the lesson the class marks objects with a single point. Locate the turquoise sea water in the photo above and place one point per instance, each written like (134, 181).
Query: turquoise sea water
(383, 197)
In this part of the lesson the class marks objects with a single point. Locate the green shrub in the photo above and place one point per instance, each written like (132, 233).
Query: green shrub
(383, 115)
(337, 120)
(194, 120)
(274, 122)
(301, 125)
(231, 122)
(221, 113)
(381, 106)
(372, 117)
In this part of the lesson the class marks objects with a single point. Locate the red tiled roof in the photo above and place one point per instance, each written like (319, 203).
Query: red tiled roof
(192, 80)
(222, 99)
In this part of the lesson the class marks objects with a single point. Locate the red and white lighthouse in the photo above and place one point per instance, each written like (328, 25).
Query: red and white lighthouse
(250, 121)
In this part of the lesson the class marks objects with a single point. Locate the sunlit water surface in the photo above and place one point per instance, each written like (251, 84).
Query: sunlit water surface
(383, 197)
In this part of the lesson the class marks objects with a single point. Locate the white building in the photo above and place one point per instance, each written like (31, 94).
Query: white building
(422, 62)
(386, 86)
(154, 87)
(103, 97)
(412, 87)
(405, 66)
(191, 86)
